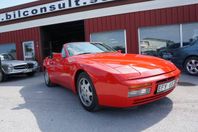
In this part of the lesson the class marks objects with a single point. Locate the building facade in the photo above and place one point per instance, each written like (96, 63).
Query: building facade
(35, 30)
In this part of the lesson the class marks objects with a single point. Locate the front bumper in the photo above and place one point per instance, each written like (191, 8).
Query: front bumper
(116, 95)
(22, 71)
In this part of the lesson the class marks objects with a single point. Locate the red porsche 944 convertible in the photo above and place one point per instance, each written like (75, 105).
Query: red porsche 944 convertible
(102, 76)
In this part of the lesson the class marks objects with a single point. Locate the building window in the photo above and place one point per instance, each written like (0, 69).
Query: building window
(28, 50)
(8, 48)
(115, 39)
(161, 40)
(155, 40)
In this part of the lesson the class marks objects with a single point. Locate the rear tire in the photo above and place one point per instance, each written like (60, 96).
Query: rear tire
(191, 65)
(47, 79)
(86, 92)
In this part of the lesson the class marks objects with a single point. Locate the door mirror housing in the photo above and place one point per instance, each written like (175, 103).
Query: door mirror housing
(57, 55)
(119, 51)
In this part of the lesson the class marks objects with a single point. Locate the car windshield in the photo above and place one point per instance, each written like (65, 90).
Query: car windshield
(6, 57)
(87, 48)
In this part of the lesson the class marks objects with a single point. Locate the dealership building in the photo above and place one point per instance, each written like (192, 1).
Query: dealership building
(35, 30)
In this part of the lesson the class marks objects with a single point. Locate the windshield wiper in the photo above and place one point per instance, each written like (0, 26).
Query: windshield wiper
(85, 53)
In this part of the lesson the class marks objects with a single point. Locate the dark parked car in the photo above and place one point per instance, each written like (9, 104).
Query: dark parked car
(10, 66)
(185, 57)
(166, 52)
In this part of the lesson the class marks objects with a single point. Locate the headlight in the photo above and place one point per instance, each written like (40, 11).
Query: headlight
(167, 56)
(10, 68)
(7, 68)
(35, 64)
(139, 90)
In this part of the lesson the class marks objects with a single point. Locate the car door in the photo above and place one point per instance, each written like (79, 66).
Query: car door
(64, 70)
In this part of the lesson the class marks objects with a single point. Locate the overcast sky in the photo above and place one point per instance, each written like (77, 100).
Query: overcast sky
(10, 3)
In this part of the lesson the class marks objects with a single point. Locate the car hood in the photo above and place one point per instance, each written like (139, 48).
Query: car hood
(16, 62)
(132, 66)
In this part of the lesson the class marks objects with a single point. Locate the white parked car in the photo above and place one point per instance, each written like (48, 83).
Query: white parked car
(10, 66)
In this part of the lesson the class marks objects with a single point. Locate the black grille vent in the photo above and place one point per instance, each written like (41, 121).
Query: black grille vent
(21, 67)
(27, 66)
(165, 80)
(30, 65)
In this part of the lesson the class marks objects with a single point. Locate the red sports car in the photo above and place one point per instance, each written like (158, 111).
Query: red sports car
(102, 76)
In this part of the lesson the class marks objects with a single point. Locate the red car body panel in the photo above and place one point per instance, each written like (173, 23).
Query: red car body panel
(112, 74)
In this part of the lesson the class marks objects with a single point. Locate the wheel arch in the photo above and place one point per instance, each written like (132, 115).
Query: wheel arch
(78, 72)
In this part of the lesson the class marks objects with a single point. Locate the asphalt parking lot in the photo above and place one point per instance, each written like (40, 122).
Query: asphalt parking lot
(27, 105)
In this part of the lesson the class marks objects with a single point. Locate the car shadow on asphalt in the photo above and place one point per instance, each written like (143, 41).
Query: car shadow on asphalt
(188, 80)
(57, 109)
(17, 78)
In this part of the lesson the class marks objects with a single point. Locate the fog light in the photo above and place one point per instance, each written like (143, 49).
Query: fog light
(139, 92)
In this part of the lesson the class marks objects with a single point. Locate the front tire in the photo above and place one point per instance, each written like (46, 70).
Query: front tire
(191, 65)
(87, 93)
(47, 79)
(1, 76)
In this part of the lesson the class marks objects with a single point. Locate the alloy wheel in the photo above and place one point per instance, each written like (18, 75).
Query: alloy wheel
(192, 66)
(85, 91)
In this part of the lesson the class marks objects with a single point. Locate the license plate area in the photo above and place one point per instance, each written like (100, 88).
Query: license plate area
(163, 87)
(27, 70)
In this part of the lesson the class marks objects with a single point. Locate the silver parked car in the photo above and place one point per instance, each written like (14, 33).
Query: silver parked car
(10, 66)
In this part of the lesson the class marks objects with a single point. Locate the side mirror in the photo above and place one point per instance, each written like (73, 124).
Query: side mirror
(57, 55)
(119, 51)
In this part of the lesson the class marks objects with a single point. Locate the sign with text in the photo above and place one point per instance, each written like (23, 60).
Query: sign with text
(47, 8)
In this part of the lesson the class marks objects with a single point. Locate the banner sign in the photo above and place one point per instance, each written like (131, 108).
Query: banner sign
(47, 8)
